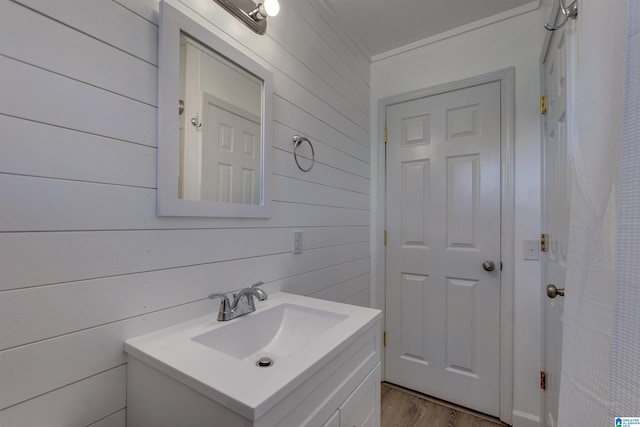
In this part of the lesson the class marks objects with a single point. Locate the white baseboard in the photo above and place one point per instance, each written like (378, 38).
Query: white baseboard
(522, 419)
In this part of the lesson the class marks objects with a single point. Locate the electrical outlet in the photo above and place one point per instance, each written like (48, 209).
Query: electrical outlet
(297, 241)
(531, 250)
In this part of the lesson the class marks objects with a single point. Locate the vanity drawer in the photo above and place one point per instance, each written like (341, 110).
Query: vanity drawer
(362, 409)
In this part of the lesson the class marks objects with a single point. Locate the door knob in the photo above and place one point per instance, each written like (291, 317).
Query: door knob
(553, 291)
(488, 265)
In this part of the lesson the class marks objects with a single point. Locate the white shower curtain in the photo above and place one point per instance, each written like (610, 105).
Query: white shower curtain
(597, 56)
(625, 350)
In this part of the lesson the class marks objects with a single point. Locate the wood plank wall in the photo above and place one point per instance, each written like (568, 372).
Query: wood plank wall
(85, 263)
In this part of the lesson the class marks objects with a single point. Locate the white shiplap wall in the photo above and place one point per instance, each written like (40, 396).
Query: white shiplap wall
(85, 263)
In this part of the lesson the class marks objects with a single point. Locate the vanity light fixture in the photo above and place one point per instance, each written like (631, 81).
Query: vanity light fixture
(252, 15)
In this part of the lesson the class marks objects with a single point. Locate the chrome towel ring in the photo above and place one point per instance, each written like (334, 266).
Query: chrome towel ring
(297, 141)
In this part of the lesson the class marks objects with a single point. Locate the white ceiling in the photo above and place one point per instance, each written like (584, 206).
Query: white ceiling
(381, 25)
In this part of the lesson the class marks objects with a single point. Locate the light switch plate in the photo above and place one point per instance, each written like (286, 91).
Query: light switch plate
(531, 250)
(297, 242)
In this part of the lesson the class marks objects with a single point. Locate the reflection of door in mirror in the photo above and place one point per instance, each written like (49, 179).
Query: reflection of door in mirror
(220, 145)
(230, 149)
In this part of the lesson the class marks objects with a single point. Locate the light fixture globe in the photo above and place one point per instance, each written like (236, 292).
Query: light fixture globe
(270, 7)
(266, 9)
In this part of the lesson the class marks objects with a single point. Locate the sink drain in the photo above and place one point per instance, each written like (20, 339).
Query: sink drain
(264, 362)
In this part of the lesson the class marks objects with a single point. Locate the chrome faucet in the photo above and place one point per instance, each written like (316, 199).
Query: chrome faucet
(242, 302)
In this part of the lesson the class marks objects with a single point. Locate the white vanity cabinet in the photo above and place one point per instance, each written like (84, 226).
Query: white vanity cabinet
(338, 387)
(343, 393)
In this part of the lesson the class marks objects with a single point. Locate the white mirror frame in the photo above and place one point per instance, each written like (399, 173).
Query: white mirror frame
(172, 23)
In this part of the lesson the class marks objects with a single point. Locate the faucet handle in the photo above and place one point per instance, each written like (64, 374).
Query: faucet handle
(225, 307)
(255, 285)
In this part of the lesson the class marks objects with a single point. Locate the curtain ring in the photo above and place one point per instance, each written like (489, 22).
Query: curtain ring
(567, 12)
(297, 140)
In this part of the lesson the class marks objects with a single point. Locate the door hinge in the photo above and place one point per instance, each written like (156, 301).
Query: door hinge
(543, 242)
(384, 339)
(385, 135)
(543, 105)
(385, 237)
(543, 380)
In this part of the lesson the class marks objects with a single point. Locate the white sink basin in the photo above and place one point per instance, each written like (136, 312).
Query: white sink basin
(218, 359)
(275, 332)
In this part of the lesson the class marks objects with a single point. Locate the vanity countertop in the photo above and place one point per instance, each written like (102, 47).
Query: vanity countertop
(300, 333)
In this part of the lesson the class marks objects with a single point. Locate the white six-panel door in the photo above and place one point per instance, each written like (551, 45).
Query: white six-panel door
(555, 214)
(230, 154)
(443, 222)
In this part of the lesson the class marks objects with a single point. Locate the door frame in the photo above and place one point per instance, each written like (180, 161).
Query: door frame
(506, 77)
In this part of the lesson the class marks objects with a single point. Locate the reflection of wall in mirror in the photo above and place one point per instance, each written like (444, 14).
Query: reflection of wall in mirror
(182, 115)
(220, 160)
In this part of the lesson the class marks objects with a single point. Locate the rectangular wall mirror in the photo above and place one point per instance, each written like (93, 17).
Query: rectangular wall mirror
(214, 124)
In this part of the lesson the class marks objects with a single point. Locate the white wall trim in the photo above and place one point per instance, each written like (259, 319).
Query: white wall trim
(506, 77)
(459, 30)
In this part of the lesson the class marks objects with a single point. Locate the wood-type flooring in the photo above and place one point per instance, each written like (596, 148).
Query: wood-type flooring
(405, 408)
